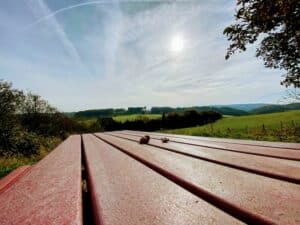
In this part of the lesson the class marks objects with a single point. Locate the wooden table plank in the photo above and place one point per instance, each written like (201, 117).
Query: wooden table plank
(276, 168)
(12, 177)
(125, 191)
(284, 145)
(283, 153)
(271, 200)
(50, 193)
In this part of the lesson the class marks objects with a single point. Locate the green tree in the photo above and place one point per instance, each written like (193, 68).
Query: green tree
(276, 24)
(26, 120)
(33, 104)
(9, 107)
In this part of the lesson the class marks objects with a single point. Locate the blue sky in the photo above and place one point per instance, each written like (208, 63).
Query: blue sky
(97, 54)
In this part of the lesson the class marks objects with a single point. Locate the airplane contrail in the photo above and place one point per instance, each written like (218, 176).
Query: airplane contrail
(61, 10)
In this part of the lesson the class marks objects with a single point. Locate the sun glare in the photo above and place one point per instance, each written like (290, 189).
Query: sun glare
(177, 44)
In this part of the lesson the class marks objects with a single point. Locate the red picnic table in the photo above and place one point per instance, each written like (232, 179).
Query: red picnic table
(110, 178)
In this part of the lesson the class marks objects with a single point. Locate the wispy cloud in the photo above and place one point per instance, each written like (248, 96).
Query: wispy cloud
(40, 9)
(51, 14)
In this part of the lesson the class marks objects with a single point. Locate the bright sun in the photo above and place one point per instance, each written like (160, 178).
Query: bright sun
(177, 44)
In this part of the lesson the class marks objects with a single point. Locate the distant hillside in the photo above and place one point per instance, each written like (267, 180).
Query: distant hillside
(244, 107)
(231, 110)
(223, 110)
(69, 114)
(293, 106)
(276, 108)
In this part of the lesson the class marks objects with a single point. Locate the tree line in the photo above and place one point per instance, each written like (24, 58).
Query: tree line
(110, 112)
(172, 120)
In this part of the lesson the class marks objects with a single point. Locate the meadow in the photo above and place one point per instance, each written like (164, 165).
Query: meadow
(120, 118)
(284, 126)
(133, 117)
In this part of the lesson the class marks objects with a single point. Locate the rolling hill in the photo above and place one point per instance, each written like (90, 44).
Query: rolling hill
(231, 110)
(276, 108)
(244, 107)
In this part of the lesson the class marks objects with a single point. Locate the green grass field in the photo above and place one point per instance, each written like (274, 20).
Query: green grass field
(121, 118)
(86, 121)
(133, 117)
(283, 126)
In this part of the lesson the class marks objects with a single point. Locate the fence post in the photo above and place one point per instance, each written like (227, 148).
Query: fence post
(264, 128)
(293, 123)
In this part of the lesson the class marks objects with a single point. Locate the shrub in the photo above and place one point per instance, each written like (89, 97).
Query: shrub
(28, 144)
(21, 143)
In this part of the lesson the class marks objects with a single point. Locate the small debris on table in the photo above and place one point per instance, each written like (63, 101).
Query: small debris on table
(165, 140)
(144, 140)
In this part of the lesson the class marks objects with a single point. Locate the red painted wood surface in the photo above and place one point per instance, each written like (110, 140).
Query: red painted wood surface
(12, 177)
(245, 195)
(280, 145)
(127, 192)
(270, 167)
(50, 193)
(184, 181)
(285, 152)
